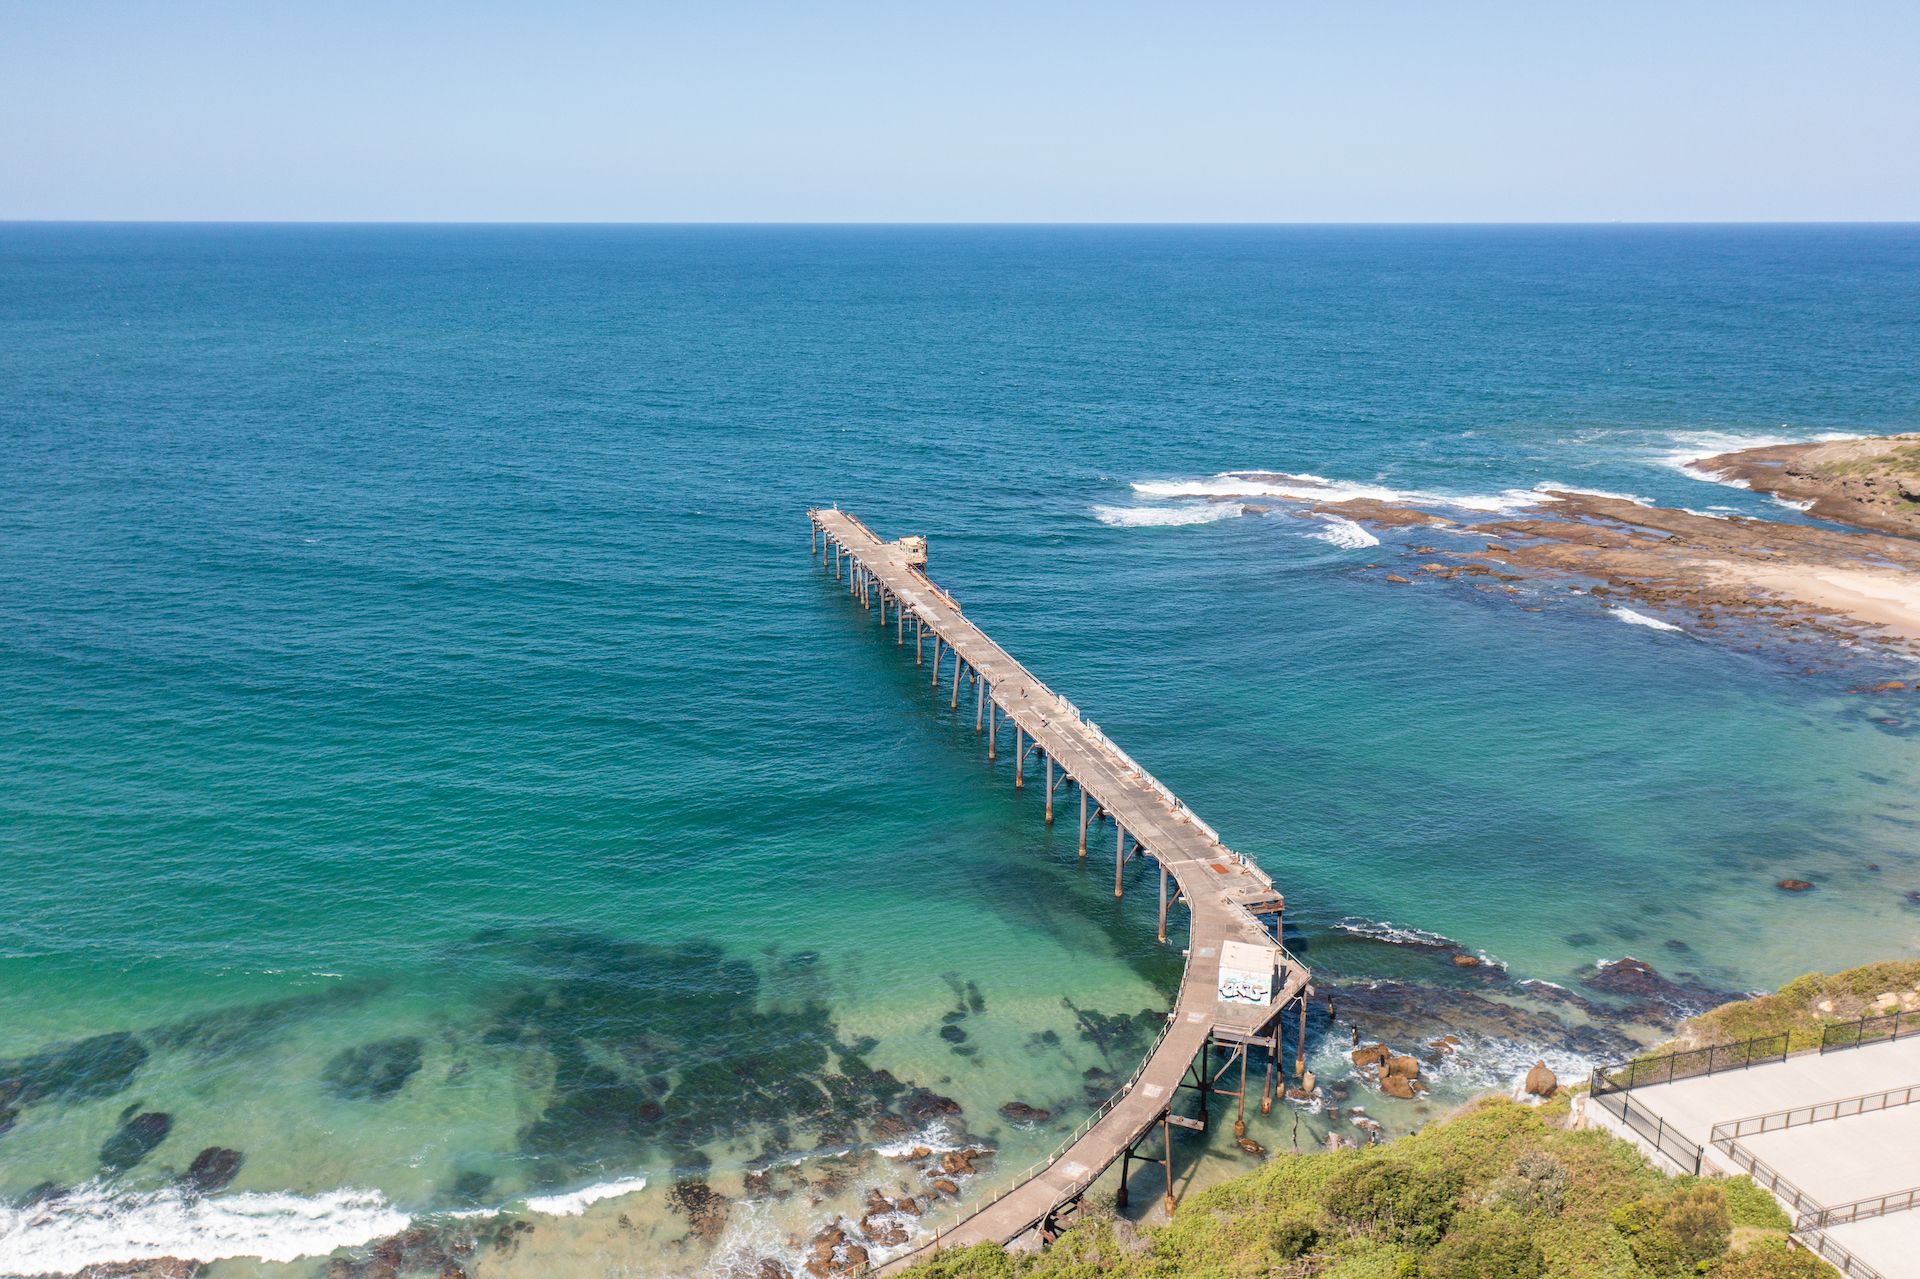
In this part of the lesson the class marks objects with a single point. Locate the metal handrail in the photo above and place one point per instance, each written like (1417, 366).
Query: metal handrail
(1685, 1154)
(1817, 1112)
(1768, 1178)
(1844, 1261)
(1859, 1210)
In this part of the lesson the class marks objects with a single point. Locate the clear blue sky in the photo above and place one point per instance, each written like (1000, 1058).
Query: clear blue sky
(1186, 110)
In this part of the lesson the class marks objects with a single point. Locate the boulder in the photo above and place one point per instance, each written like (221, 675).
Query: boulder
(946, 1187)
(1395, 577)
(1541, 1081)
(1371, 1055)
(1397, 1086)
(213, 1168)
(1794, 885)
(1466, 961)
(1019, 1112)
(1403, 1067)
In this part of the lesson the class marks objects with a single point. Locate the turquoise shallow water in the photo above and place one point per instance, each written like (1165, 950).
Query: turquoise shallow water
(432, 759)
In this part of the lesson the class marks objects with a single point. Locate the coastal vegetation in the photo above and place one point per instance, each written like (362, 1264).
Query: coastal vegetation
(1497, 1190)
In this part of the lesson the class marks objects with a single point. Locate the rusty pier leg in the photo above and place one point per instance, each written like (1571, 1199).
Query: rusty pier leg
(954, 705)
(1019, 756)
(979, 701)
(936, 659)
(1240, 1110)
(919, 640)
(1300, 1044)
(1266, 1093)
(1049, 790)
(1119, 853)
(1166, 1133)
(1083, 820)
(1163, 905)
(993, 727)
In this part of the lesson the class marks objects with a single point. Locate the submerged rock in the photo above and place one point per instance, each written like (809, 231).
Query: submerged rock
(88, 1070)
(1656, 999)
(1794, 885)
(1019, 1112)
(134, 1140)
(213, 1169)
(375, 1071)
(705, 1210)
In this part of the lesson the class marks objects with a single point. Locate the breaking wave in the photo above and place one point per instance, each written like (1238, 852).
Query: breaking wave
(1344, 533)
(580, 1200)
(93, 1225)
(1632, 618)
(1318, 488)
(1151, 516)
(1399, 935)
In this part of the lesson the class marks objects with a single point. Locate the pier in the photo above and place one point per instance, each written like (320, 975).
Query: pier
(1233, 909)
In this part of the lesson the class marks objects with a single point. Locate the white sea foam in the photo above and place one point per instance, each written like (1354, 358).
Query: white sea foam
(1344, 533)
(1400, 935)
(1791, 504)
(1318, 488)
(580, 1200)
(1152, 516)
(1632, 618)
(93, 1225)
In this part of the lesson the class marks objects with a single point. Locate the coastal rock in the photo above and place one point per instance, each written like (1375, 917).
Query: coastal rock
(1541, 1081)
(1395, 577)
(1402, 1067)
(1249, 1146)
(1019, 1112)
(769, 1268)
(1397, 1086)
(134, 1140)
(1370, 1056)
(1655, 998)
(922, 1106)
(152, 1268)
(706, 1211)
(213, 1169)
(1466, 961)
(947, 1188)
(1794, 885)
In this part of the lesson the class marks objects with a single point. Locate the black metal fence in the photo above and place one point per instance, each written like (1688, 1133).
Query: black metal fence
(1646, 1071)
(1870, 1030)
(1685, 1154)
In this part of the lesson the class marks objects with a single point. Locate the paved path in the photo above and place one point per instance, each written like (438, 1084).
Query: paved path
(1217, 886)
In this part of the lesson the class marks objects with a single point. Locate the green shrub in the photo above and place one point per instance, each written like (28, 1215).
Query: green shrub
(1773, 1259)
(1486, 1245)
(1388, 1199)
(1751, 1206)
(1292, 1237)
(981, 1261)
(1536, 1186)
(1682, 1234)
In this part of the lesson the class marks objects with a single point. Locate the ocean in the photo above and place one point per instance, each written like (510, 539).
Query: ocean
(433, 768)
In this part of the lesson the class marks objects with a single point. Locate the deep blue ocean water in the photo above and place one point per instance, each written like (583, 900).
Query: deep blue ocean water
(427, 744)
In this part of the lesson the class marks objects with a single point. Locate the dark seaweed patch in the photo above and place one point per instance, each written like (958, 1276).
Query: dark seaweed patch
(375, 1071)
(84, 1071)
(134, 1140)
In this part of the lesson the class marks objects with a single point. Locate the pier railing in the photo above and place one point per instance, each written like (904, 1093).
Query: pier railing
(1685, 1154)
(1053, 1156)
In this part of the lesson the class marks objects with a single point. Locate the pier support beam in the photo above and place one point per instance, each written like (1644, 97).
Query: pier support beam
(979, 701)
(993, 727)
(954, 705)
(936, 659)
(1240, 1108)
(1266, 1093)
(1083, 821)
(1300, 1043)
(1119, 854)
(919, 640)
(1163, 905)
(1019, 757)
(1049, 790)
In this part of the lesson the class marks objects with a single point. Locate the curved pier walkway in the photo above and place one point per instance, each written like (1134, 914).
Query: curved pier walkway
(1228, 898)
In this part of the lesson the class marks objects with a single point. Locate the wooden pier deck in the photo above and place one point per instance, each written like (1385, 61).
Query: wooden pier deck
(1228, 898)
